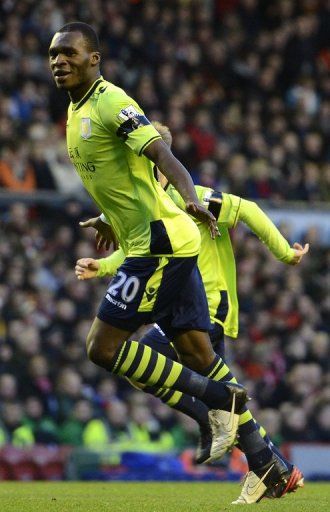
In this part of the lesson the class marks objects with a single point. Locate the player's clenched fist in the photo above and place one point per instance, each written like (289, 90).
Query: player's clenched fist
(86, 268)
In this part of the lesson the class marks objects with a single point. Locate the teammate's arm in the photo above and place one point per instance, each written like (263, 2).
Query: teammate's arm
(104, 235)
(257, 220)
(159, 153)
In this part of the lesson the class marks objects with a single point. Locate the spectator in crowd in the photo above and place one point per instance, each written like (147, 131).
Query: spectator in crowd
(45, 430)
(12, 428)
(16, 174)
(8, 387)
(75, 427)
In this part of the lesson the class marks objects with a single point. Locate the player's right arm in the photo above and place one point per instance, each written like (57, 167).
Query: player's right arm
(88, 268)
(235, 209)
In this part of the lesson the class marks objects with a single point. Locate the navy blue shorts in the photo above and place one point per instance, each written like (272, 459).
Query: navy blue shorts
(147, 290)
(160, 335)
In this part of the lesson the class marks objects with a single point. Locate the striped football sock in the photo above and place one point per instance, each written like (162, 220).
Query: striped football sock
(140, 363)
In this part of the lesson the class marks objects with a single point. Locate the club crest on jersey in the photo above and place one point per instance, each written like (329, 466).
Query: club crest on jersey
(86, 128)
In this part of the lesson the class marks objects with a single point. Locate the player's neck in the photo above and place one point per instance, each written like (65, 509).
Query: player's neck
(78, 93)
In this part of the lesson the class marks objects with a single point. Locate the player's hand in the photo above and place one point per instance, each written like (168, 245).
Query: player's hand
(86, 268)
(104, 235)
(203, 215)
(299, 253)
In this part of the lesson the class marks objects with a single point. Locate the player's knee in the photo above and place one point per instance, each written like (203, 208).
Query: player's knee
(98, 350)
(93, 350)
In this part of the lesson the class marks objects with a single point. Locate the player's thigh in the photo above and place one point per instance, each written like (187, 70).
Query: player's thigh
(189, 307)
(103, 341)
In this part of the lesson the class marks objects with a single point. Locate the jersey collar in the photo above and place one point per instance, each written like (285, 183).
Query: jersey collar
(76, 106)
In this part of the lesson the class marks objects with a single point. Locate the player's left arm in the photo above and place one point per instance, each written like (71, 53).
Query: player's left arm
(159, 153)
(257, 220)
(124, 117)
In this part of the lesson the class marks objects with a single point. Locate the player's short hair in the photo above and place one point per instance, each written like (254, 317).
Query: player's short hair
(164, 131)
(87, 31)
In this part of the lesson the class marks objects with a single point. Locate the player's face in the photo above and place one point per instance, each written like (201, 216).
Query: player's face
(71, 62)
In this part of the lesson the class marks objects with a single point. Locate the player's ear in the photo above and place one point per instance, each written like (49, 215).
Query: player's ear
(95, 58)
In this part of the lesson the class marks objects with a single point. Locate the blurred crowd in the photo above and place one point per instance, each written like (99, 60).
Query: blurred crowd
(51, 393)
(244, 87)
(243, 84)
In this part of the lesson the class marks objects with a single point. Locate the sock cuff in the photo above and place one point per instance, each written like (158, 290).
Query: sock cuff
(119, 357)
(245, 417)
(213, 368)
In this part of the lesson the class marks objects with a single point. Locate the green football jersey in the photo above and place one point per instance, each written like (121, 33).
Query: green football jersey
(107, 133)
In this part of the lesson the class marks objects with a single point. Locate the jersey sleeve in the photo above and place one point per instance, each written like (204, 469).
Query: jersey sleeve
(110, 265)
(229, 212)
(253, 216)
(122, 116)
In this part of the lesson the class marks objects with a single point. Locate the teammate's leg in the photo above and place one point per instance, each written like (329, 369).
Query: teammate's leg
(258, 446)
(277, 476)
(257, 451)
(269, 472)
(282, 477)
(187, 343)
(218, 343)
